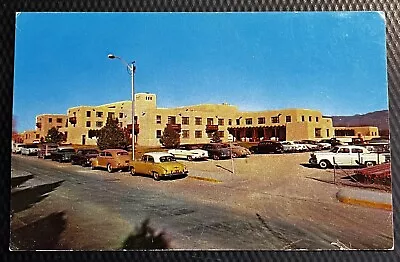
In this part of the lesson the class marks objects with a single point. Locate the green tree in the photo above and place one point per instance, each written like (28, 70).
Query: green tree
(216, 138)
(111, 136)
(54, 136)
(170, 138)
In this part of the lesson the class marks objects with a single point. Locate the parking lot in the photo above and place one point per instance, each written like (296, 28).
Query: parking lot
(299, 201)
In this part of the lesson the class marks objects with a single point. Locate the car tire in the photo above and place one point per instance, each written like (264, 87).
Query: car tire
(189, 158)
(234, 155)
(369, 163)
(59, 160)
(73, 162)
(215, 157)
(132, 171)
(156, 176)
(83, 164)
(92, 167)
(109, 168)
(324, 164)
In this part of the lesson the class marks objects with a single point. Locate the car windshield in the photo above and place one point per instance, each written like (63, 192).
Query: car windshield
(167, 159)
(121, 153)
(334, 150)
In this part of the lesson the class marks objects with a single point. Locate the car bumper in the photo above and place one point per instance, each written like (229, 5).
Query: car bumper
(180, 173)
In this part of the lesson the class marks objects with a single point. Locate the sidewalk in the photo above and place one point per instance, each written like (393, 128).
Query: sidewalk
(366, 198)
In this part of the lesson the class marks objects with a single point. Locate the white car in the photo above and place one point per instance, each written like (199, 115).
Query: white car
(16, 148)
(30, 149)
(290, 146)
(301, 146)
(347, 156)
(189, 152)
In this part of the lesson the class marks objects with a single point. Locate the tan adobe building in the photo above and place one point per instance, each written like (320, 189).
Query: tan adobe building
(197, 123)
(364, 132)
(45, 122)
(30, 136)
(81, 119)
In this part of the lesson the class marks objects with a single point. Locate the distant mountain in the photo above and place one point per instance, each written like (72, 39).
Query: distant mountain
(379, 119)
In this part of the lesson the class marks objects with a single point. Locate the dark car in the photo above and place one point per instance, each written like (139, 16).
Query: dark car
(46, 149)
(63, 154)
(83, 156)
(267, 147)
(217, 151)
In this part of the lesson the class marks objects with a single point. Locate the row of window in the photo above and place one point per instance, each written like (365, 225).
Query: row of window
(109, 114)
(197, 134)
(58, 120)
(248, 121)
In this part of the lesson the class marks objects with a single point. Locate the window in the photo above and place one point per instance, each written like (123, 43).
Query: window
(309, 118)
(198, 134)
(135, 119)
(209, 135)
(185, 133)
(261, 120)
(198, 121)
(221, 121)
(316, 119)
(302, 118)
(37, 136)
(59, 126)
(59, 120)
(121, 115)
(108, 154)
(238, 121)
(172, 120)
(87, 123)
(318, 132)
(88, 113)
(185, 120)
(158, 119)
(158, 134)
(356, 150)
(230, 122)
(288, 119)
(50, 120)
(111, 115)
(120, 124)
(344, 150)
(65, 134)
(99, 114)
(327, 133)
(210, 121)
(221, 133)
(275, 119)
(99, 124)
(249, 121)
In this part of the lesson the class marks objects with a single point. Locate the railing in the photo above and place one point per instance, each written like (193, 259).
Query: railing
(176, 127)
(211, 128)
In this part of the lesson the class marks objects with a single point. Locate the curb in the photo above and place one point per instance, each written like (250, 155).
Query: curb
(365, 198)
(206, 179)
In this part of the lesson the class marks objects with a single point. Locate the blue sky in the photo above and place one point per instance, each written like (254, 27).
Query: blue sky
(334, 62)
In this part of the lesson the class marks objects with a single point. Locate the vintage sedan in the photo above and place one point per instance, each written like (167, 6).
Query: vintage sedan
(158, 165)
(112, 159)
(62, 154)
(189, 152)
(217, 151)
(238, 151)
(84, 157)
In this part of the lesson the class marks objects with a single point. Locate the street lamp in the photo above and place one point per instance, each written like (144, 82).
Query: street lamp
(132, 68)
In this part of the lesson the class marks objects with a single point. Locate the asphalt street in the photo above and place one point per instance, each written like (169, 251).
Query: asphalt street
(102, 209)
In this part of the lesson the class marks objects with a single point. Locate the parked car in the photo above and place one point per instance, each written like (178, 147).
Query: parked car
(324, 144)
(300, 146)
(16, 148)
(238, 151)
(189, 152)
(217, 150)
(267, 146)
(158, 165)
(289, 146)
(29, 149)
(347, 156)
(112, 159)
(62, 154)
(46, 149)
(84, 157)
(311, 145)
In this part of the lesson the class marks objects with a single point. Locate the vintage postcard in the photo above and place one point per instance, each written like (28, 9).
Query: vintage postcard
(201, 131)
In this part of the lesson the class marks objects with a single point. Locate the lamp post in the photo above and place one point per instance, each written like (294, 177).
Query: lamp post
(132, 68)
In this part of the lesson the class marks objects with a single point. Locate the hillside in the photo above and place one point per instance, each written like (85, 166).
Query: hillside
(377, 118)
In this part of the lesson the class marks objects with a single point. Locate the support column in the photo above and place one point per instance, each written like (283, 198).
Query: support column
(254, 134)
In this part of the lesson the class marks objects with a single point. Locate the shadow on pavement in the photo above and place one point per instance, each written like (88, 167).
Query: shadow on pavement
(41, 234)
(17, 181)
(26, 198)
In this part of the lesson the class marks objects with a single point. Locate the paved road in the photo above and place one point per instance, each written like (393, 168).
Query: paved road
(101, 209)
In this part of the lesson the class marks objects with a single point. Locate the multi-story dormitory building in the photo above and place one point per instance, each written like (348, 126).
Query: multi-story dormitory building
(196, 123)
